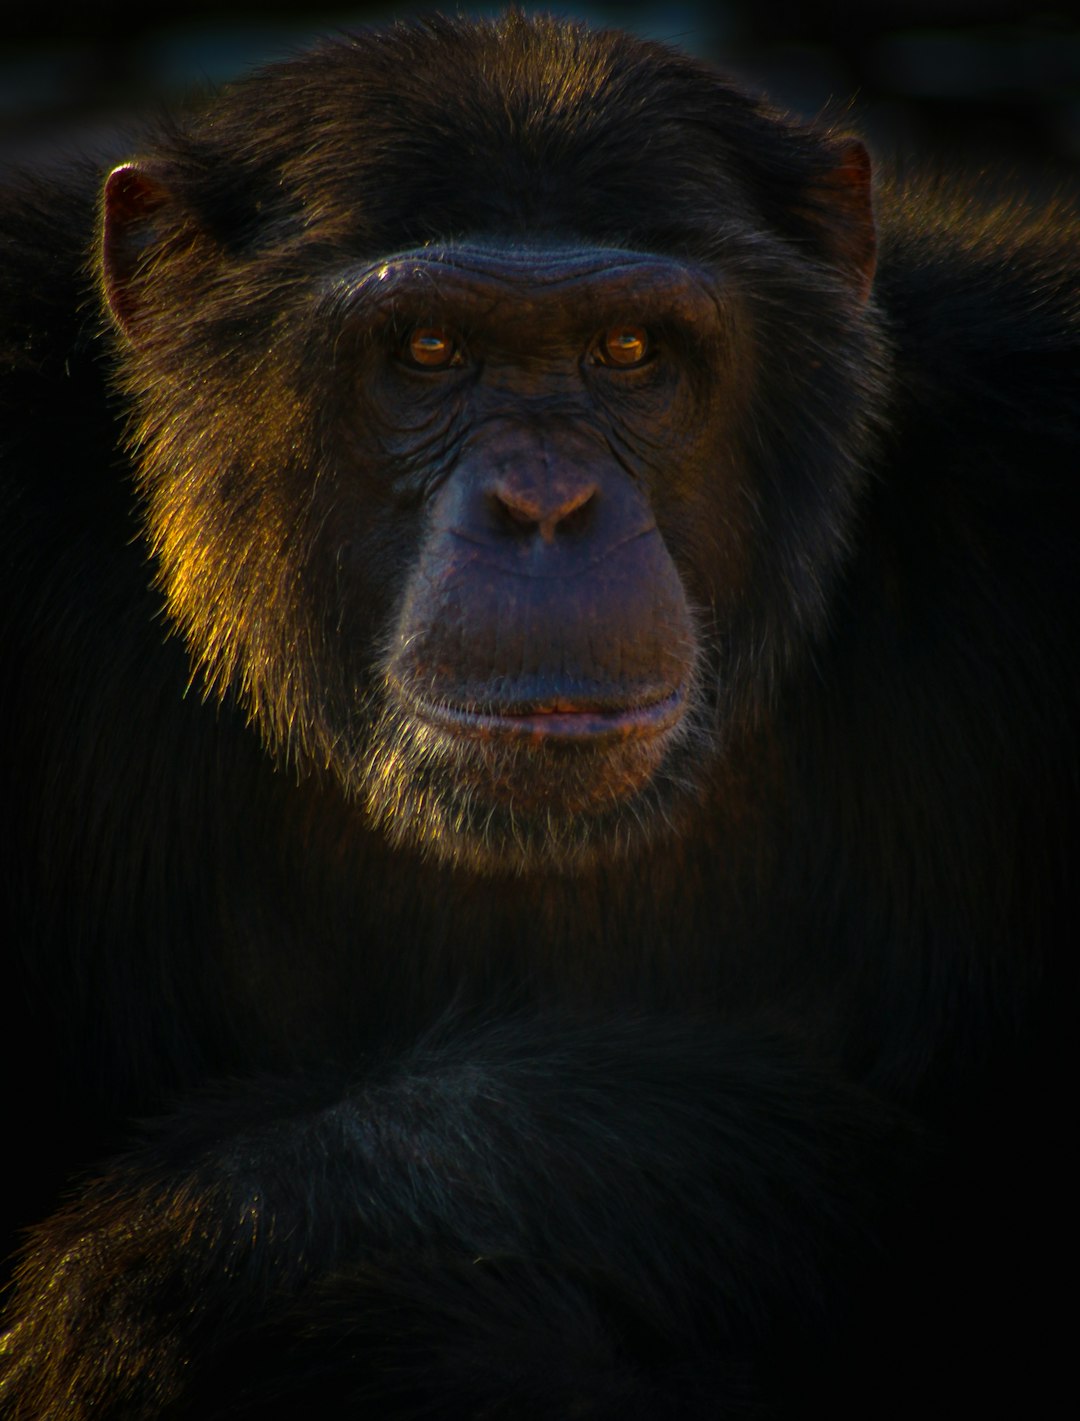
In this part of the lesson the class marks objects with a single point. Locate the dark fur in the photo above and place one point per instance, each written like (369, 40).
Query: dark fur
(749, 1108)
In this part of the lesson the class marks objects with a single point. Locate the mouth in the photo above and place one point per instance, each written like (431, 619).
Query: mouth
(557, 719)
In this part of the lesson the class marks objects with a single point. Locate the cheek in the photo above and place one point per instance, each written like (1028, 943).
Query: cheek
(401, 432)
(702, 490)
(710, 531)
(356, 568)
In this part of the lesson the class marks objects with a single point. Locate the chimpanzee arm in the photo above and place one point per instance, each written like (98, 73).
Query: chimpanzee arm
(620, 1218)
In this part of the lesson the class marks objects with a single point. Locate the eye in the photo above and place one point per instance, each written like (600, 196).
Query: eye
(432, 348)
(623, 347)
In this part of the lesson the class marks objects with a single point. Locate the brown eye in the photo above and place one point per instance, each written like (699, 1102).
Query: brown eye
(623, 347)
(433, 348)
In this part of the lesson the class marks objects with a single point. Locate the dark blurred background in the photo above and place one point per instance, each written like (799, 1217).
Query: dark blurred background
(976, 80)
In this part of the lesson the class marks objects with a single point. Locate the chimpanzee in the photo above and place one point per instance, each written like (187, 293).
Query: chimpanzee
(539, 708)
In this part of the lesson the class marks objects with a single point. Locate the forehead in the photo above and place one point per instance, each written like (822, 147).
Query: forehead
(532, 279)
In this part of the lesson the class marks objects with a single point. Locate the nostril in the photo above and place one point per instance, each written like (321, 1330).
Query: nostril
(517, 506)
(575, 514)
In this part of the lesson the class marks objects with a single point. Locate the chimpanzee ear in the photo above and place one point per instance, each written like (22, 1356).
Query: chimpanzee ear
(841, 202)
(135, 202)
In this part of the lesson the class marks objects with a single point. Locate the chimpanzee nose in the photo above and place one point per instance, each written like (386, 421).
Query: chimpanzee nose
(544, 508)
